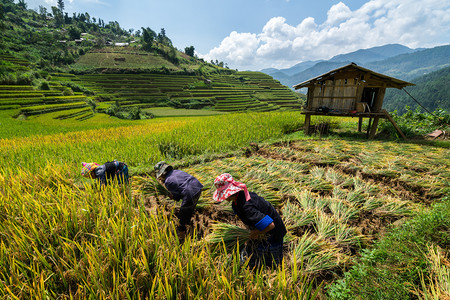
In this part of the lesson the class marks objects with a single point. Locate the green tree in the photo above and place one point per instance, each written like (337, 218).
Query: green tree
(43, 12)
(148, 36)
(163, 39)
(57, 14)
(61, 5)
(22, 4)
(1, 18)
(189, 50)
(74, 32)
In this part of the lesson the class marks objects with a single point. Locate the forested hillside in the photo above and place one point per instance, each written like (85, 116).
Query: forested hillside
(51, 41)
(81, 65)
(410, 66)
(431, 90)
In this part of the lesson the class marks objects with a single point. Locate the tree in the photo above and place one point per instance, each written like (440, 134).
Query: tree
(88, 17)
(22, 4)
(74, 32)
(163, 39)
(189, 50)
(61, 5)
(43, 12)
(57, 14)
(148, 36)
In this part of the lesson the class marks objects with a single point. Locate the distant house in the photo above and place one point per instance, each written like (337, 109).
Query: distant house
(349, 91)
(83, 34)
(121, 44)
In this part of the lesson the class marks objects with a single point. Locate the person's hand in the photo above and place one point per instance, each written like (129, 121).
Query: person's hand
(181, 235)
(254, 234)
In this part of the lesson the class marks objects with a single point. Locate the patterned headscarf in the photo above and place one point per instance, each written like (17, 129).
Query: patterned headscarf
(88, 168)
(226, 186)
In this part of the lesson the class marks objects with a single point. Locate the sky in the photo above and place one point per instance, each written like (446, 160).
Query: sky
(258, 34)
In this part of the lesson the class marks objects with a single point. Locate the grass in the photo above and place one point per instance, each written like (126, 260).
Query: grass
(133, 61)
(180, 112)
(399, 258)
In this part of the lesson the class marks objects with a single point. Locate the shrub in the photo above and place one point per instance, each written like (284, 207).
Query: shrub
(44, 85)
(414, 123)
(68, 92)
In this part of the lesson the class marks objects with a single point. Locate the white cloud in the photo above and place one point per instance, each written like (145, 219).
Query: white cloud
(413, 23)
(237, 47)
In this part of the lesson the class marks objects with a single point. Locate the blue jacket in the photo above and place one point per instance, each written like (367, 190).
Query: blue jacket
(259, 213)
(182, 186)
(111, 170)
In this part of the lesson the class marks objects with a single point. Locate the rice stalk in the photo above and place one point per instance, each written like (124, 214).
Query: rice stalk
(227, 234)
(317, 172)
(371, 203)
(314, 255)
(307, 200)
(343, 210)
(394, 207)
(334, 176)
(295, 217)
(437, 285)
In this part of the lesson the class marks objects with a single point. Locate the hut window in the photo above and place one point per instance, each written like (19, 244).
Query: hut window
(345, 81)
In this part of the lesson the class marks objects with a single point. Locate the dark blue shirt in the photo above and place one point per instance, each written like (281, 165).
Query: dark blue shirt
(182, 186)
(259, 213)
(110, 170)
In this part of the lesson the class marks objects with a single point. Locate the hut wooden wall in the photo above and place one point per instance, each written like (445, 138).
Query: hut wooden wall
(339, 94)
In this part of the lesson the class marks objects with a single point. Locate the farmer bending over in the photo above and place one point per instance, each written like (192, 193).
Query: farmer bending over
(183, 186)
(109, 171)
(255, 212)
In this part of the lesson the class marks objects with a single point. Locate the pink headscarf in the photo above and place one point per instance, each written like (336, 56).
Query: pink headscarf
(88, 168)
(226, 186)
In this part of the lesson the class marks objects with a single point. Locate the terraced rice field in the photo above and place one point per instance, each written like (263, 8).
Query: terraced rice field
(244, 91)
(28, 101)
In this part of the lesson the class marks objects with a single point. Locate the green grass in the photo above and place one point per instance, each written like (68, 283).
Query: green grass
(180, 112)
(133, 61)
(393, 268)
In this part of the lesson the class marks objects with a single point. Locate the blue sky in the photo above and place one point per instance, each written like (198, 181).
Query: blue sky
(257, 34)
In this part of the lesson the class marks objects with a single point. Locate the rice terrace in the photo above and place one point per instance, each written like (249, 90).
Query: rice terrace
(364, 193)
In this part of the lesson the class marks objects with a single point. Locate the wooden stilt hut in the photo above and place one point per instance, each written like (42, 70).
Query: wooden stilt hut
(350, 91)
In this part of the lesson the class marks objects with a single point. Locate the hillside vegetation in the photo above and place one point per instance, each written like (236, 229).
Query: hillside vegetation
(431, 90)
(102, 68)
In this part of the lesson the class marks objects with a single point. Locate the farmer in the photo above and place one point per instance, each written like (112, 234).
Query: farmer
(255, 212)
(109, 171)
(183, 186)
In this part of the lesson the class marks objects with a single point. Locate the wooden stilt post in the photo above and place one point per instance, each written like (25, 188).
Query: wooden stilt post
(307, 123)
(373, 129)
(360, 124)
(388, 116)
(368, 127)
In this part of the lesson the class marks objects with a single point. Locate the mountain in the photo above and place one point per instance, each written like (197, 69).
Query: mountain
(363, 56)
(292, 70)
(409, 66)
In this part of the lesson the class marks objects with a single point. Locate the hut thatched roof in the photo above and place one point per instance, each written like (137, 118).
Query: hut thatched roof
(390, 82)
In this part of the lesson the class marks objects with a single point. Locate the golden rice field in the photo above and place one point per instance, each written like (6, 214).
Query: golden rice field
(63, 238)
